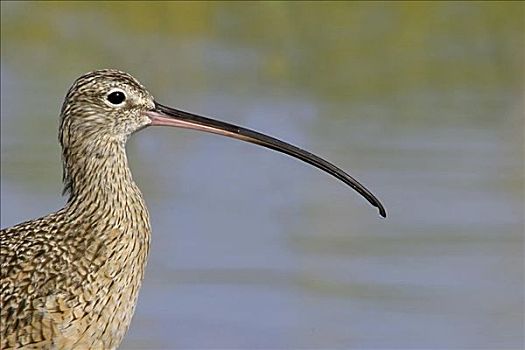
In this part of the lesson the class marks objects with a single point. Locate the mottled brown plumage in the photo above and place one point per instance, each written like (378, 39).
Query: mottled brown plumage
(70, 280)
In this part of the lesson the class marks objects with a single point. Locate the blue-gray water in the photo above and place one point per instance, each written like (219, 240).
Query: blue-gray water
(253, 249)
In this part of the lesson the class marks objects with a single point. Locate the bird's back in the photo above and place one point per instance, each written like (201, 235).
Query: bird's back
(69, 282)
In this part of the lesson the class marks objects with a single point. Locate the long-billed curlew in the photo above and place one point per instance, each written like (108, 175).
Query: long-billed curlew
(70, 280)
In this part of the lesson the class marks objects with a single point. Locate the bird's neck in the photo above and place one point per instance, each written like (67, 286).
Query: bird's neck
(96, 175)
(109, 231)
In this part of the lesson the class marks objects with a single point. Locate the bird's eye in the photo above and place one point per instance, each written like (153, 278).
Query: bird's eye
(116, 97)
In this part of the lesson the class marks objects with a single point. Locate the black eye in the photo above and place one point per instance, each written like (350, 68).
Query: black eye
(116, 97)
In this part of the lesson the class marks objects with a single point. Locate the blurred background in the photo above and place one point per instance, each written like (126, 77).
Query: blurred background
(422, 102)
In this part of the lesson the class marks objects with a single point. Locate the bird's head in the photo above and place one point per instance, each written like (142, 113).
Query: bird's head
(104, 104)
(104, 107)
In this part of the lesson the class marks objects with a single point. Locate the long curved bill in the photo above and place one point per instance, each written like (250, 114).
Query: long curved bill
(167, 116)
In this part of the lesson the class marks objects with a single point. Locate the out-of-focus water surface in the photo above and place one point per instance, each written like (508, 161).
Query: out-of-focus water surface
(423, 102)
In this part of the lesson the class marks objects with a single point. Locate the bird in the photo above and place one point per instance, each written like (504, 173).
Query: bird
(70, 279)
